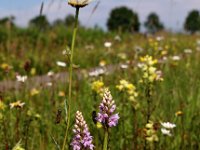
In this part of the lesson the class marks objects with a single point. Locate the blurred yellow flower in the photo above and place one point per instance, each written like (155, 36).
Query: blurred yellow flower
(99, 125)
(102, 63)
(151, 133)
(34, 92)
(18, 146)
(2, 105)
(179, 113)
(130, 89)
(148, 60)
(98, 87)
(17, 104)
(4, 66)
(33, 71)
(122, 56)
(150, 73)
(61, 94)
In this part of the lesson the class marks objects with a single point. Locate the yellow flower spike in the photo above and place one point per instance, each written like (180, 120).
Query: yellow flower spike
(149, 125)
(119, 87)
(130, 86)
(152, 70)
(97, 86)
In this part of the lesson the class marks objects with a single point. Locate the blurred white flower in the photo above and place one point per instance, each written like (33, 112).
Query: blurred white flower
(159, 38)
(50, 73)
(168, 125)
(187, 51)
(21, 78)
(107, 44)
(64, 52)
(61, 64)
(124, 66)
(160, 48)
(198, 42)
(89, 47)
(140, 65)
(79, 3)
(138, 49)
(117, 38)
(122, 56)
(176, 58)
(97, 72)
(198, 49)
(166, 132)
(49, 84)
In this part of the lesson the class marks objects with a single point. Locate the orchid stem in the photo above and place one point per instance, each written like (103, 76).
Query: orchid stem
(105, 142)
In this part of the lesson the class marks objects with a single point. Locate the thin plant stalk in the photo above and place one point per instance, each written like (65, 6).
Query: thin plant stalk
(105, 142)
(148, 96)
(70, 77)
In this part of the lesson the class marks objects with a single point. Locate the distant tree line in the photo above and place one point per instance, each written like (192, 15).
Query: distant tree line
(121, 19)
(125, 19)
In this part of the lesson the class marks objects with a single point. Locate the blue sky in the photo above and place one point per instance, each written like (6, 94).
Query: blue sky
(172, 12)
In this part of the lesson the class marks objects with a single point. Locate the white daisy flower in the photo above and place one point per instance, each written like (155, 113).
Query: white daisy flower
(168, 125)
(79, 3)
(166, 132)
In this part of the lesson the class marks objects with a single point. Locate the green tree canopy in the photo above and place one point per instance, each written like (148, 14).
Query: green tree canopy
(7, 21)
(192, 22)
(153, 23)
(124, 19)
(70, 20)
(39, 22)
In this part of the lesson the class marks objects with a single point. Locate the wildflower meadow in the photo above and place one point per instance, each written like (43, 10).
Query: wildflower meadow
(78, 88)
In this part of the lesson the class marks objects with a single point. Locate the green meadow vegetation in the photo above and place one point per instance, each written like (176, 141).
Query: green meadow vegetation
(154, 81)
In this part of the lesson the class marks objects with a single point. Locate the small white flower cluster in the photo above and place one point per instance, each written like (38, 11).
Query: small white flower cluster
(21, 78)
(176, 58)
(123, 66)
(97, 72)
(167, 127)
(187, 51)
(61, 64)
